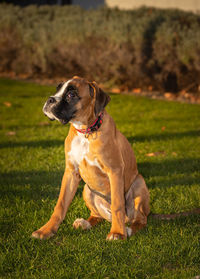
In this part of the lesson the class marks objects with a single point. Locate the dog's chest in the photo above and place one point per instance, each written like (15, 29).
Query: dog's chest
(79, 151)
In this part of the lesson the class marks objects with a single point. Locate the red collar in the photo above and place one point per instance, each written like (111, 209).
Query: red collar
(94, 127)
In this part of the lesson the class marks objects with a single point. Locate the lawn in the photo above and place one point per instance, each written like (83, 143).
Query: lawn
(166, 139)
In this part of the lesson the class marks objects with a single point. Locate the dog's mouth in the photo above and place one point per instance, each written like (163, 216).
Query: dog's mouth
(60, 111)
(63, 121)
(50, 118)
(48, 113)
(53, 117)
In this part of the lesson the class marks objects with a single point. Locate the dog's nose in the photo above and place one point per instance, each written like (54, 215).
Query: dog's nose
(51, 100)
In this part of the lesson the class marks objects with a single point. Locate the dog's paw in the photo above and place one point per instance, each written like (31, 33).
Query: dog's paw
(129, 231)
(115, 236)
(42, 234)
(82, 223)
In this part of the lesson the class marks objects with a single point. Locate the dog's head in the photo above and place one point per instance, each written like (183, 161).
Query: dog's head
(76, 100)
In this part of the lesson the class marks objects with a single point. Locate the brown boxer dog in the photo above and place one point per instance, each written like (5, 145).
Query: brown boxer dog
(99, 154)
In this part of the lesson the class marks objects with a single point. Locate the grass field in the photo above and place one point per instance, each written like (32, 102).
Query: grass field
(31, 168)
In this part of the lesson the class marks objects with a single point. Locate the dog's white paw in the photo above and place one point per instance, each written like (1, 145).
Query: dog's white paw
(81, 223)
(42, 235)
(128, 231)
(115, 236)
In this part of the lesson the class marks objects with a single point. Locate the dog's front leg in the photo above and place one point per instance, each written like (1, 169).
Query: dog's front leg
(118, 230)
(68, 189)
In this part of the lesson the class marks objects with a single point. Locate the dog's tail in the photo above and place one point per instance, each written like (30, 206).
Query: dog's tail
(175, 215)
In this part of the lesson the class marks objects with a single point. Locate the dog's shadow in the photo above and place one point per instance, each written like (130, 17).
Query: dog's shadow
(32, 185)
(36, 185)
(163, 136)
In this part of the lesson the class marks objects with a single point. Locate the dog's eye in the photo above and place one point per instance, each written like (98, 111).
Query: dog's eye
(71, 94)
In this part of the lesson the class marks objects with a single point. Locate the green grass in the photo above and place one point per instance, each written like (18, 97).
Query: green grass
(31, 168)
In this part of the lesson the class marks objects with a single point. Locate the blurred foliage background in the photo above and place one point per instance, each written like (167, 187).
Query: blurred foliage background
(142, 48)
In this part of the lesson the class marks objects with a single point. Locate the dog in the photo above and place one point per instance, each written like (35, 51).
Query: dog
(98, 153)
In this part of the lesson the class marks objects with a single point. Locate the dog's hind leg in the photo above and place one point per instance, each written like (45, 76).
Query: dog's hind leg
(95, 217)
(137, 204)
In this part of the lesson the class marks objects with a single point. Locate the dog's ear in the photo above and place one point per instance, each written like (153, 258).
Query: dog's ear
(101, 98)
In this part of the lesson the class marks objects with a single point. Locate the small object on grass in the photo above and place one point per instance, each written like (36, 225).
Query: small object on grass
(44, 123)
(158, 153)
(11, 133)
(7, 104)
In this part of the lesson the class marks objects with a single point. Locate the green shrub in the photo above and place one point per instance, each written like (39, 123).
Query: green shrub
(134, 48)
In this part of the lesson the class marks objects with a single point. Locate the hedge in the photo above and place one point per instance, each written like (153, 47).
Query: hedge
(136, 48)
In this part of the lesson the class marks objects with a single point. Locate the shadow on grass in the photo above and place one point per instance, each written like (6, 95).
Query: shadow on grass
(40, 143)
(137, 138)
(36, 185)
(32, 185)
(168, 168)
(164, 136)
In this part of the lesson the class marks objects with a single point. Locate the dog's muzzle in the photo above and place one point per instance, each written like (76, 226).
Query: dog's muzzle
(48, 106)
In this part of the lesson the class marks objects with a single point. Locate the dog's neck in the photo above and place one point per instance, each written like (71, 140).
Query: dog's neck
(89, 129)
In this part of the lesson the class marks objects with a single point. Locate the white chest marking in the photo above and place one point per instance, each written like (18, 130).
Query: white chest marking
(79, 151)
(76, 124)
